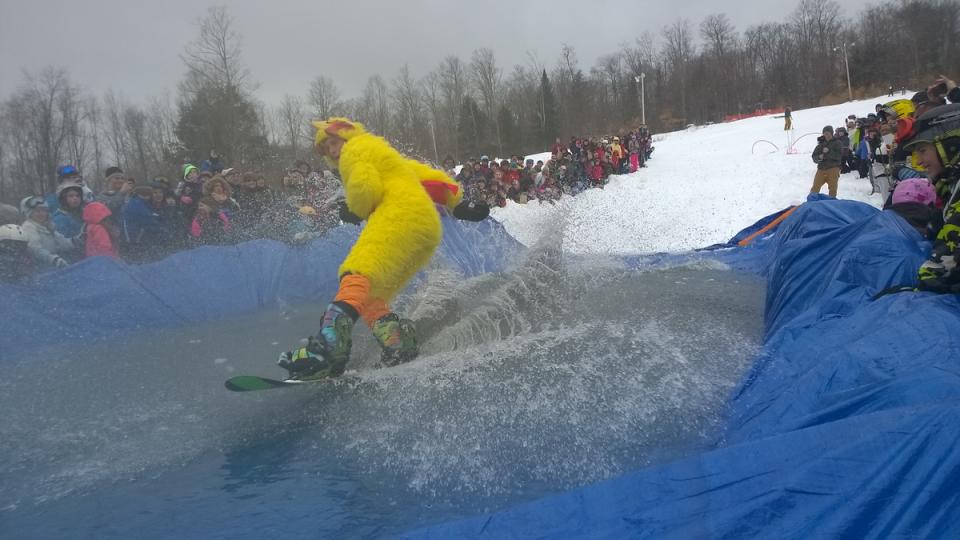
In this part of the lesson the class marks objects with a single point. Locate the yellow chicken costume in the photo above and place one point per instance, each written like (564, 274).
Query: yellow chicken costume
(397, 197)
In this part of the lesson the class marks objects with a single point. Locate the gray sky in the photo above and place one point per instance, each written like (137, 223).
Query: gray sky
(133, 46)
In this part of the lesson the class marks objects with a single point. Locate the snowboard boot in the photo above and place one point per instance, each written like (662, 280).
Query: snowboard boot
(327, 354)
(398, 339)
(307, 362)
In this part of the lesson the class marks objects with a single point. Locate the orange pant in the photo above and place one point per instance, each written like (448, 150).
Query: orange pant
(828, 177)
(355, 291)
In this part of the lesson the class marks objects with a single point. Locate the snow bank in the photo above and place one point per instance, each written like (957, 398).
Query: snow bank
(702, 186)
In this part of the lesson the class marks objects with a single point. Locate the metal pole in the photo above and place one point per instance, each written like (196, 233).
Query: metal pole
(643, 100)
(847, 64)
(433, 135)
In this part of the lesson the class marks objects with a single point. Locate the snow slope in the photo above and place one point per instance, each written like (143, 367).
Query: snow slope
(702, 186)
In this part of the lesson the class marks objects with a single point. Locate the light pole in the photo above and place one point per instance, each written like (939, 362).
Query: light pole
(846, 64)
(433, 135)
(643, 101)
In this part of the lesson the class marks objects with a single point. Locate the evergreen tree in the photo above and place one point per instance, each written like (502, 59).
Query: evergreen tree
(222, 119)
(217, 111)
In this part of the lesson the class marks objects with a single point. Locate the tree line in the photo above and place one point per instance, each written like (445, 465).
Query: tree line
(466, 107)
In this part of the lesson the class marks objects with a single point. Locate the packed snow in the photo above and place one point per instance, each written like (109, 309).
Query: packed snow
(703, 185)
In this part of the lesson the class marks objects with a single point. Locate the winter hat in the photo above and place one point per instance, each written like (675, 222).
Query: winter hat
(29, 204)
(914, 190)
(112, 171)
(96, 212)
(67, 170)
(187, 169)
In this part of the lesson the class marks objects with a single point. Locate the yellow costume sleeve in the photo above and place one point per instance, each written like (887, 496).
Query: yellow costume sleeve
(363, 189)
(438, 184)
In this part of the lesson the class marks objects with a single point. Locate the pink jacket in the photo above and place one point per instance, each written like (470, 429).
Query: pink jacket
(98, 238)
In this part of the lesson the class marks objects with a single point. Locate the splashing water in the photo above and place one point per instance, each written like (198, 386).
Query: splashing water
(555, 374)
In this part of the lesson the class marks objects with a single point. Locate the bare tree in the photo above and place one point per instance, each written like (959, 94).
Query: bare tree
(214, 57)
(135, 126)
(45, 110)
(115, 131)
(324, 97)
(717, 32)
(453, 83)
(292, 121)
(375, 104)
(409, 110)
(679, 49)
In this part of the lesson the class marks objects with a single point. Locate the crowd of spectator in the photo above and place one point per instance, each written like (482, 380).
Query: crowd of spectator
(210, 204)
(910, 151)
(582, 164)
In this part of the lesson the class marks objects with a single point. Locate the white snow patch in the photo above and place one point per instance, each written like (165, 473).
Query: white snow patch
(702, 186)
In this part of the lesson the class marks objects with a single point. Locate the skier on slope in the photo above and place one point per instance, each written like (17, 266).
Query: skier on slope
(396, 196)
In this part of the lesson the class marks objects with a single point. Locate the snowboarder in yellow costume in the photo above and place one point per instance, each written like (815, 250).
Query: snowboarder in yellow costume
(398, 197)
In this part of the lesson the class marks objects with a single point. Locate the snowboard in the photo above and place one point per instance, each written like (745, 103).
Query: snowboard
(255, 383)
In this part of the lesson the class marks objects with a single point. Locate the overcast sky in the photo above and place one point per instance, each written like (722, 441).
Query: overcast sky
(133, 46)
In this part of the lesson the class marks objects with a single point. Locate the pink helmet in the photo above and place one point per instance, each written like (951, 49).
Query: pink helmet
(914, 190)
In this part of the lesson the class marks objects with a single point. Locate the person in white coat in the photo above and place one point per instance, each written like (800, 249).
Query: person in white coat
(48, 247)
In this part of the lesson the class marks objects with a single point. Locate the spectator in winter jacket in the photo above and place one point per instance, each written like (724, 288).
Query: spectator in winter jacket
(49, 248)
(233, 177)
(188, 192)
(143, 232)
(827, 156)
(217, 195)
(68, 217)
(212, 164)
(118, 189)
(163, 203)
(449, 166)
(616, 153)
(68, 174)
(303, 226)
(557, 148)
(864, 155)
(101, 231)
(210, 226)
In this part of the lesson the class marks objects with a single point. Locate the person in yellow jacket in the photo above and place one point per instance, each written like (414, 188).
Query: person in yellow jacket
(400, 199)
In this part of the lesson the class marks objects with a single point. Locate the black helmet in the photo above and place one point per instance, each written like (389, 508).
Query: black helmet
(940, 127)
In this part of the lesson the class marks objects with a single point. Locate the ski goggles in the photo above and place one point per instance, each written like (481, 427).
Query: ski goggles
(32, 203)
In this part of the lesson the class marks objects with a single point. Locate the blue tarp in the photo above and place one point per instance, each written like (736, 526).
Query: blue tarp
(846, 427)
(102, 298)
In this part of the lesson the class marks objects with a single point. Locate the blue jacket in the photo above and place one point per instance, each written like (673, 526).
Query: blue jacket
(140, 223)
(67, 224)
(863, 150)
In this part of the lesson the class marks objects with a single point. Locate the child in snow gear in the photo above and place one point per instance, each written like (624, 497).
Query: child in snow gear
(399, 198)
